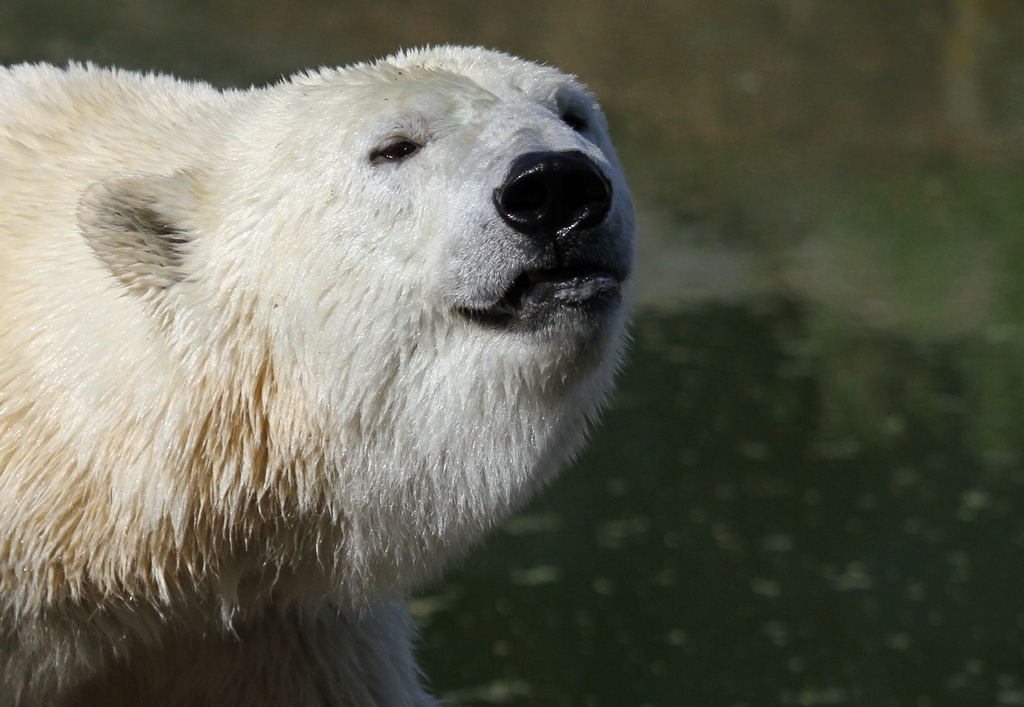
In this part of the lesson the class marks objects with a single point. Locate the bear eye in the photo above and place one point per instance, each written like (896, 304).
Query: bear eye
(394, 151)
(575, 121)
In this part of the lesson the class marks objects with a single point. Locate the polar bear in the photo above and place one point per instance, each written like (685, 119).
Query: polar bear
(270, 358)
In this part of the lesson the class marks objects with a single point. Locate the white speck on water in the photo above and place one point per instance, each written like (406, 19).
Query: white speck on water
(917, 591)
(615, 533)
(959, 567)
(754, 451)
(894, 425)
(913, 526)
(617, 487)
(676, 637)
(971, 502)
(778, 542)
(535, 576)
(665, 577)
(868, 502)
(854, 578)
(1014, 698)
(423, 609)
(769, 588)
(727, 539)
(811, 697)
(777, 631)
(839, 450)
(688, 457)
(496, 692)
(748, 81)
(898, 641)
(725, 492)
(905, 476)
(532, 523)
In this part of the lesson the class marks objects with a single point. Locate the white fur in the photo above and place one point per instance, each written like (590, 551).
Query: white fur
(224, 463)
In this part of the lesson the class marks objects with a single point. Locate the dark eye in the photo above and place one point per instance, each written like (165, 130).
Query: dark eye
(394, 151)
(575, 122)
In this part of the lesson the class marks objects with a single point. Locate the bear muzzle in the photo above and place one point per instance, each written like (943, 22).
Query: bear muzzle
(561, 202)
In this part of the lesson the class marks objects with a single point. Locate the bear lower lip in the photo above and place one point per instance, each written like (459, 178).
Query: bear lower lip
(568, 285)
(536, 295)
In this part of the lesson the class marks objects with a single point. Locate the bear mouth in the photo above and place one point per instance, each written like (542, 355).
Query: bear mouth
(537, 296)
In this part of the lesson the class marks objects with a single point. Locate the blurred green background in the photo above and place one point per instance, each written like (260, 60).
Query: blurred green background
(810, 487)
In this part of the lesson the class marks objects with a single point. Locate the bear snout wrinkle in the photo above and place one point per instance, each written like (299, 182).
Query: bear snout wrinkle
(554, 194)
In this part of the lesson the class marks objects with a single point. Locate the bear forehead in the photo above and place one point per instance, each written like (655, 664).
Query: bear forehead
(492, 69)
(449, 78)
(427, 92)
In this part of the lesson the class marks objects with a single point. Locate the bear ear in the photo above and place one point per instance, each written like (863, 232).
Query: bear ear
(140, 227)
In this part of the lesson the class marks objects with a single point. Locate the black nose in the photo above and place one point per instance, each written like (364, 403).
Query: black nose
(553, 193)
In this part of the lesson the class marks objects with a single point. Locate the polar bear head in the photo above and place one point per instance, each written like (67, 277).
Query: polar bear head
(394, 296)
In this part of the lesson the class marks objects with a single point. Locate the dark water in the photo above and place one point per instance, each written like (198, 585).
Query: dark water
(810, 489)
(718, 546)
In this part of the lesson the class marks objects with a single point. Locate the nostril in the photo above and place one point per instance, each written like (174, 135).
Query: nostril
(553, 193)
(585, 199)
(525, 196)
